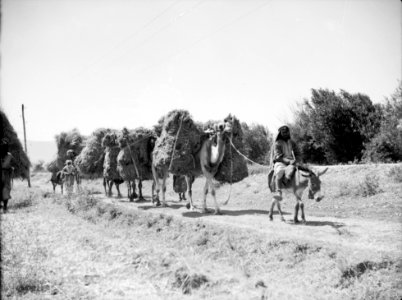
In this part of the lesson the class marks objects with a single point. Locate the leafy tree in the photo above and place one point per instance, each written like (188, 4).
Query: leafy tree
(257, 142)
(334, 127)
(386, 145)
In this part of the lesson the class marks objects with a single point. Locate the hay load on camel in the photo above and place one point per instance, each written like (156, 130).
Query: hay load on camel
(178, 143)
(233, 167)
(90, 161)
(134, 160)
(112, 149)
(20, 163)
(69, 145)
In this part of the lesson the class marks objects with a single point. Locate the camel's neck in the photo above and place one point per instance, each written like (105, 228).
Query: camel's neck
(218, 150)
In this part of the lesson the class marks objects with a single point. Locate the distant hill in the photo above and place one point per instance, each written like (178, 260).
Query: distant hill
(41, 150)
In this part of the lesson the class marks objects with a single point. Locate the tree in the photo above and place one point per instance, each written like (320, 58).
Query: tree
(334, 127)
(257, 142)
(386, 145)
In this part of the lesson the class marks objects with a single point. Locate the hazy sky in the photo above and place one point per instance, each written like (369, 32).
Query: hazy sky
(96, 63)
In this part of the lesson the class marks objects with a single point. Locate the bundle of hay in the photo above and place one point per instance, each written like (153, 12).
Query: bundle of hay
(69, 144)
(178, 143)
(134, 160)
(90, 161)
(21, 163)
(112, 149)
(233, 167)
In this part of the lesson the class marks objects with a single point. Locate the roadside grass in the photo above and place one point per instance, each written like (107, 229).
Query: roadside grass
(250, 265)
(81, 248)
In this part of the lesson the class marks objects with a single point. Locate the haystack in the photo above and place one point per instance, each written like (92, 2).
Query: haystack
(69, 144)
(233, 167)
(90, 161)
(112, 149)
(178, 143)
(21, 163)
(134, 160)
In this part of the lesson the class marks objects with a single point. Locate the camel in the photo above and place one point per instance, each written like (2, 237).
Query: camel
(110, 173)
(208, 159)
(132, 163)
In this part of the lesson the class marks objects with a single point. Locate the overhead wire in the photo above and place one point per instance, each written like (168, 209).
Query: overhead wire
(151, 36)
(223, 27)
(122, 42)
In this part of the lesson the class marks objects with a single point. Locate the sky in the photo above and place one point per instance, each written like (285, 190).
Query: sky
(95, 63)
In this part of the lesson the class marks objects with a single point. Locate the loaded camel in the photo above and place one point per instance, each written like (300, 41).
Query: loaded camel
(207, 161)
(110, 173)
(134, 159)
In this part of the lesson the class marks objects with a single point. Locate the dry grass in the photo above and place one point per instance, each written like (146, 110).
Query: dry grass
(83, 248)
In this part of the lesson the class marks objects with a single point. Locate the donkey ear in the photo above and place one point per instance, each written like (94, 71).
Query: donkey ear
(322, 172)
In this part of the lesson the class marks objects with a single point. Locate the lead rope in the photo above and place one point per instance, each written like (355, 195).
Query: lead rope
(231, 168)
(175, 141)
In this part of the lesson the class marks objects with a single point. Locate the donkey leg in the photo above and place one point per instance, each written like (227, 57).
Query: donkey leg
(280, 211)
(271, 210)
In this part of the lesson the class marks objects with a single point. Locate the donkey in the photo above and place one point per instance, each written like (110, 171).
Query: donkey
(301, 181)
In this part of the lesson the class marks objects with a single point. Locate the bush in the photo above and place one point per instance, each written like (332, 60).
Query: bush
(370, 186)
(395, 173)
(38, 166)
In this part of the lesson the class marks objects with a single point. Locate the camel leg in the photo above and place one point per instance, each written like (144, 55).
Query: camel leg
(189, 181)
(61, 186)
(134, 195)
(104, 185)
(110, 188)
(118, 190)
(204, 200)
(129, 191)
(54, 188)
(295, 219)
(164, 189)
(140, 197)
(153, 191)
(302, 212)
(156, 187)
(213, 193)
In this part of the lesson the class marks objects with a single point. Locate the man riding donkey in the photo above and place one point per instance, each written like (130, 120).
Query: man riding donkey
(285, 159)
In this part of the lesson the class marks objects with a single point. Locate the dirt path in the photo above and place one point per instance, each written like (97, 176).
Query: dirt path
(355, 234)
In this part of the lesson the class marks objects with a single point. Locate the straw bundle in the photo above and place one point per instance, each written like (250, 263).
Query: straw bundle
(69, 144)
(134, 160)
(21, 163)
(109, 142)
(233, 167)
(178, 143)
(90, 161)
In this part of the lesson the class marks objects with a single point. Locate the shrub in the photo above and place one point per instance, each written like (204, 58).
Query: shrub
(395, 173)
(370, 186)
(38, 166)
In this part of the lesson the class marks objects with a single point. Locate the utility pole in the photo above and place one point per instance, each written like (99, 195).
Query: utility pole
(25, 144)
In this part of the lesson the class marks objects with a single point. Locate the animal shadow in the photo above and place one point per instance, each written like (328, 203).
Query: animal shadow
(198, 214)
(170, 205)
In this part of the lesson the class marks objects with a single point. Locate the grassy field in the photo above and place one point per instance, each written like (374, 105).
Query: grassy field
(90, 247)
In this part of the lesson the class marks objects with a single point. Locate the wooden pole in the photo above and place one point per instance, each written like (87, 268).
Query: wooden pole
(25, 144)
